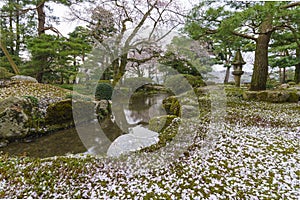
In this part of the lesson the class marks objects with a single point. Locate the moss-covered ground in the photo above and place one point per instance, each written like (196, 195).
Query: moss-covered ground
(37, 90)
(251, 152)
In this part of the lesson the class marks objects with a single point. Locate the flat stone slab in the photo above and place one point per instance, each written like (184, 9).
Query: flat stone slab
(137, 138)
(24, 78)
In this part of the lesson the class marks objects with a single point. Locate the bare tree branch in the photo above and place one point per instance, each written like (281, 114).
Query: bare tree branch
(291, 5)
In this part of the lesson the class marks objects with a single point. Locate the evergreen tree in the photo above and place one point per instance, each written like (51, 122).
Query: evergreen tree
(13, 32)
(284, 53)
(255, 21)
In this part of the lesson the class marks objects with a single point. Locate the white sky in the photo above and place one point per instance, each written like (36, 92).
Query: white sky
(66, 27)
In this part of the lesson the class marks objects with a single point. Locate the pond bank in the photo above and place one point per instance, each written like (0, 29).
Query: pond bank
(255, 154)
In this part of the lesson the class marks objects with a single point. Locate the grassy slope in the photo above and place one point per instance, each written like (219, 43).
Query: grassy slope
(254, 153)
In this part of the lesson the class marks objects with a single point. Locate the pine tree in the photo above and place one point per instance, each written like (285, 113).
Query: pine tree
(255, 21)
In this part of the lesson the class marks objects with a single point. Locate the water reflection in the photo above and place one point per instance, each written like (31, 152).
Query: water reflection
(56, 144)
(139, 111)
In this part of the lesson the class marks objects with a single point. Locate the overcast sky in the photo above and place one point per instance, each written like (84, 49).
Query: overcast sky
(65, 27)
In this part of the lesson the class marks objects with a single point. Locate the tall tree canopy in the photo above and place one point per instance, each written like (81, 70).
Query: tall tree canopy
(255, 21)
(128, 28)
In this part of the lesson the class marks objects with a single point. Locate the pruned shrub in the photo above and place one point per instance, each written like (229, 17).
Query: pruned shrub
(103, 91)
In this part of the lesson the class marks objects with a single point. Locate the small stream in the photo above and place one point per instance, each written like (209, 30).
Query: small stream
(141, 110)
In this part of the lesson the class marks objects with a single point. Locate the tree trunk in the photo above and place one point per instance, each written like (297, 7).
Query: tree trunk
(41, 18)
(226, 79)
(39, 76)
(41, 30)
(18, 33)
(260, 71)
(283, 75)
(280, 75)
(11, 31)
(9, 58)
(297, 69)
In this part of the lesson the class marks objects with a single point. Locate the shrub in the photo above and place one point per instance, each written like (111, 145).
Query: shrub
(4, 73)
(65, 86)
(172, 106)
(33, 100)
(103, 91)
(272, 83)
(105, 81)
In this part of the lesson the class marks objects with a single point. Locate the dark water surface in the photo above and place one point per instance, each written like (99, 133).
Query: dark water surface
(140, 110)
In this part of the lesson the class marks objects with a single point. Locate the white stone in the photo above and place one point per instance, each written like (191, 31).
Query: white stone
(24, 78)
(137, 138)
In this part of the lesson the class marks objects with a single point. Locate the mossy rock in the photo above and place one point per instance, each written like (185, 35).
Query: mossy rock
(278, 96)
(234, 92)
(201, 91)
(262, 95)
(293, 97)
(255, 95)
(250, 95)
(159, 124)
(172, 106)
(292, 83)
(170, 125)
(15, 115)
(103, 109)
(59, 113)
(189, 111)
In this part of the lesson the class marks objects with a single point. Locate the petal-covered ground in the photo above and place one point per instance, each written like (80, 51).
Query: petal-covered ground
(253, 153)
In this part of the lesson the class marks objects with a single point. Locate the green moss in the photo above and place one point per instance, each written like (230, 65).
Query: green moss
(172, 106)
(33, 100)
(65, 86)
(234, 91)
(59, 112)
(168, 130)
(4, 73)
(159, 124)
(293, 97)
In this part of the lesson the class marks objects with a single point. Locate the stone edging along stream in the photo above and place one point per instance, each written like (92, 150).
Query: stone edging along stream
(31, 109)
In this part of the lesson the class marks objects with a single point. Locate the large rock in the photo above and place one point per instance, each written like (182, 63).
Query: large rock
(15, 117)
(60, 115)
(24, 78)
(138, 138)
(172, 106)
(276, 96)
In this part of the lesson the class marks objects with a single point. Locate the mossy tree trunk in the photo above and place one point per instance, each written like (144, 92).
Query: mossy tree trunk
(260, 71)
(41, 30)
(226, 79)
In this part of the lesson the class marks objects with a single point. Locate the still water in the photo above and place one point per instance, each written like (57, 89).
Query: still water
(140, 110)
